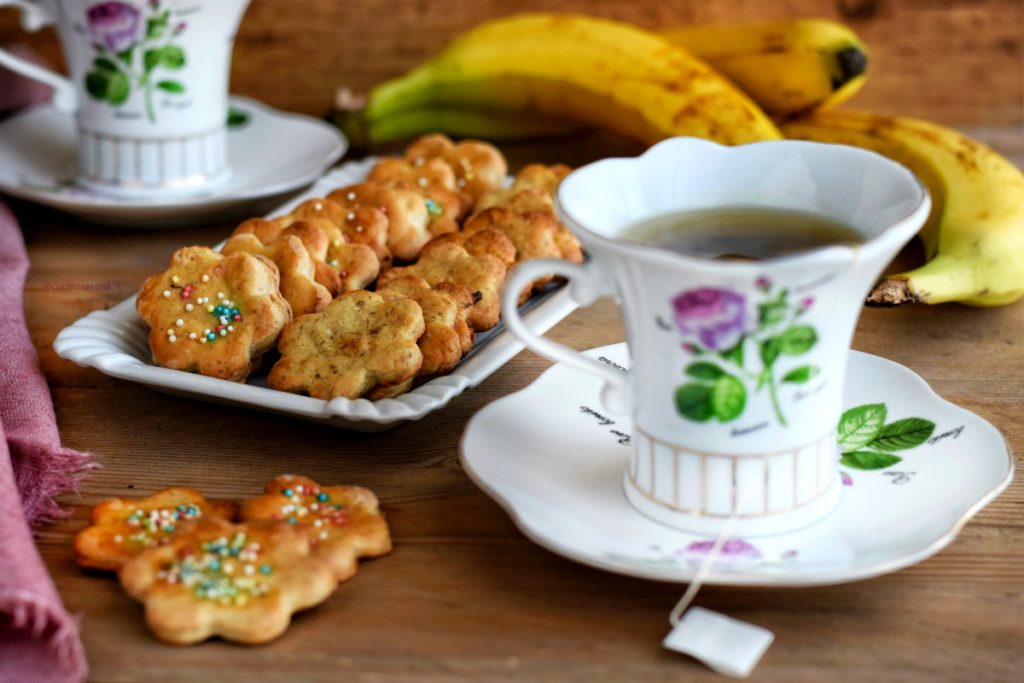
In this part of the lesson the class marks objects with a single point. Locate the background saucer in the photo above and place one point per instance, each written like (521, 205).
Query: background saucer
(553, 458)
(271, 153)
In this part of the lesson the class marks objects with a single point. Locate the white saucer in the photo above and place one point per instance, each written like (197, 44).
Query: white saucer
(270, 152)
(553, 459)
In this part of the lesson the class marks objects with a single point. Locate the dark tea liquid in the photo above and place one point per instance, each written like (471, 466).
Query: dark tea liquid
(745, 234)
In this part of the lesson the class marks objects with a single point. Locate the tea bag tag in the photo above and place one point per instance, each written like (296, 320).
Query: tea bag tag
(728, 646)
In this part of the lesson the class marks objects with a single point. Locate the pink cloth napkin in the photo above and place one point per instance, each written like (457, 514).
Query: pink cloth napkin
(38, 638)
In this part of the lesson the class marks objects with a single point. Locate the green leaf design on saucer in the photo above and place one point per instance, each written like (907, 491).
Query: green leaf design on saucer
(869, 460)
(859, 426)
(867, 443)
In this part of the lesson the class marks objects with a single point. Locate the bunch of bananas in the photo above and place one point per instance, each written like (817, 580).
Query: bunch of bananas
(548, 74)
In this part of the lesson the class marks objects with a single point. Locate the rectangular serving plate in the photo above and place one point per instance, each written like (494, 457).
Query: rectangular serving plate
(115, 342)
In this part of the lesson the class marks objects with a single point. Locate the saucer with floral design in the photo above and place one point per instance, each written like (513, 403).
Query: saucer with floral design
(553, 458)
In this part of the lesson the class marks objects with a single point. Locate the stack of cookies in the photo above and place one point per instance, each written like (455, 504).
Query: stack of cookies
(206, 568)
(370, 290)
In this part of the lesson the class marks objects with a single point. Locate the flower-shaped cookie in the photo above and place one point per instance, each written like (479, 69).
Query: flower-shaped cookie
(532, 232)
(213, 314)
(534, 190)
(446, 335)
(241, 582)
(483, 274)
(479, 167)
(359, 341)
(354, 265)
(362, 225)
(297, 268)
(546, 178)
(406, 211)
(435, 181)
(343, 523)
(124, 527)
(365, 225)
(340, 265)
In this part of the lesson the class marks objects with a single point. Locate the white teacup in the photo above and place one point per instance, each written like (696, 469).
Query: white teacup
(764, 449)
(148, 81)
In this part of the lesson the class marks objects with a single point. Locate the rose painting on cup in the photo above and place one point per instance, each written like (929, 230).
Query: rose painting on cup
(721, 330)
(133, 50)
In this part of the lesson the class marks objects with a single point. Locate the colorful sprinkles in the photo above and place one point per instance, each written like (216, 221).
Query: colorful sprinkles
(147, 525)
(225, 312)
(433, 208)
(312, 506)
(225, 570)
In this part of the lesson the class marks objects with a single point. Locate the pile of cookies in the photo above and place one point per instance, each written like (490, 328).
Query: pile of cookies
(370, 290)
(206, 568)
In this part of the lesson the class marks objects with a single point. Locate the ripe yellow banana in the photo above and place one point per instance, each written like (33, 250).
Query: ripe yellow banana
(974, 238)
(593, 71)
(788, 67)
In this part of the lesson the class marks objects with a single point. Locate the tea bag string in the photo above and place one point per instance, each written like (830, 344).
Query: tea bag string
(702, 572)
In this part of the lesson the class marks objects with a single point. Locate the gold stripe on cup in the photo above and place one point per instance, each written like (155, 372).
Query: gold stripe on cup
(649, 491)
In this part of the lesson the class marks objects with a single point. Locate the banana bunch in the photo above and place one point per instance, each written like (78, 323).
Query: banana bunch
(974, 237)
(591, 71)
(544, 75)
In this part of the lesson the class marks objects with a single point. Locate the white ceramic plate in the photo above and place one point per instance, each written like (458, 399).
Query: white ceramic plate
(115, 343)
(554, 460)
(270, 152)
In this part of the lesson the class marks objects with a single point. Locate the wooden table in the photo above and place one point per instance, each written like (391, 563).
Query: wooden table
(465, 596)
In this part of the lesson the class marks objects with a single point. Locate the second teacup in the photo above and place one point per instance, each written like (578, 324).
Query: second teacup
(148, 82)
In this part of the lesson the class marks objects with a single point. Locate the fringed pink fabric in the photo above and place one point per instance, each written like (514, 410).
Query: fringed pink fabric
(38, 638)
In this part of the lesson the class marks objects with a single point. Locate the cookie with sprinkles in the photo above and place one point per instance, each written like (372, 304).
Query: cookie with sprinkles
(479, 167)
(368, 226)
(213, 314)
(124, 527)
(435, 181)
(343, 523)
(359, 341)
(241, 582)
(406, 211)
(355, 265)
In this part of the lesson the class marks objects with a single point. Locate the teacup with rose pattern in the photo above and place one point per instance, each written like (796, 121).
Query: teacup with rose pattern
(148, 83)
(737, 367)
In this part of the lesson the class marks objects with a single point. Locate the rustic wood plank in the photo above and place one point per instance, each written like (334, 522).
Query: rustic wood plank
(957, 61)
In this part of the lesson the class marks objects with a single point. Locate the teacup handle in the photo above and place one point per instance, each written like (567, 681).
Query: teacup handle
(34, 16)
(586, 284)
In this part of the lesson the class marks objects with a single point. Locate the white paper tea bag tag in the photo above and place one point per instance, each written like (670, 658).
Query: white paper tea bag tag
(729, 646)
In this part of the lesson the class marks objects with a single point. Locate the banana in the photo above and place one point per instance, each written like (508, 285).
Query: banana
(788, 67)
(593, 71)
(974, 237)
